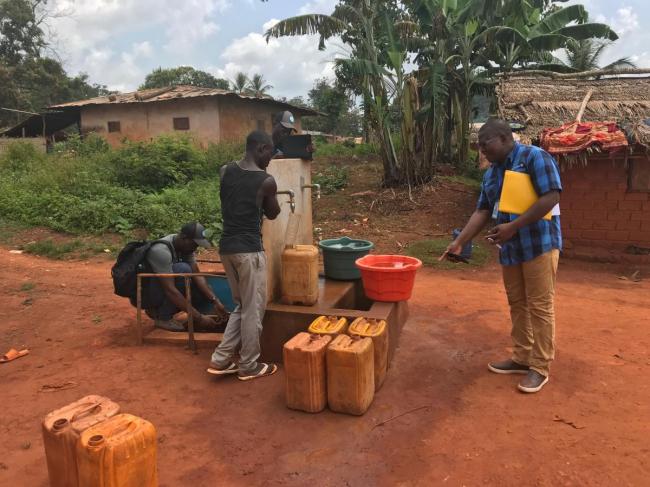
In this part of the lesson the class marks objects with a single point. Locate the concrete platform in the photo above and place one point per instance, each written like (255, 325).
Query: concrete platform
(282, 322)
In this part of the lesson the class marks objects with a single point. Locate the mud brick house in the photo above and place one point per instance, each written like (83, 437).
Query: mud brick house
(606, 196)
(208, 114)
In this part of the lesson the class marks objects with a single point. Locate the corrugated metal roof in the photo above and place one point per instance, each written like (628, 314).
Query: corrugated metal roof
(178, 92)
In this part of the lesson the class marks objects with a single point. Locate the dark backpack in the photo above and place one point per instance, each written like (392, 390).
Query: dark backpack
(131, 261)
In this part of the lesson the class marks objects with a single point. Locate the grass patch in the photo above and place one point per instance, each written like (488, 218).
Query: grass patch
(73, 248)
(472, 183)
(52, 250)
(9, 230)
(27, 286)
(428, 251)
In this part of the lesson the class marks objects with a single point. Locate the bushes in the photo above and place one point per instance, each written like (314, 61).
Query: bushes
(86, 187)
(331, 179)
(324, 149)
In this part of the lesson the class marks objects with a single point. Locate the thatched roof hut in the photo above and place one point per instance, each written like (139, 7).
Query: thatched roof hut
(541, 102)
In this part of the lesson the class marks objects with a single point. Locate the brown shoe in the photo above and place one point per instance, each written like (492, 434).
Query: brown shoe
(508, 367)
(533, 382)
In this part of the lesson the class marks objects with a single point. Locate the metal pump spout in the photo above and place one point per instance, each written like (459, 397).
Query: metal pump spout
(315, 187)
(292, 198)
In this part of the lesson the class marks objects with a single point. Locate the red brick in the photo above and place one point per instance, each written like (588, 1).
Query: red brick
(640, 216)
(630, 205)
(582, 184)
(570, 233)
(645, 226)
(594, 234)
(640, 237)
(618, 215)
(618, 236)
(636, 197)
(611, 205)
(629, 225)
(613, 196)
(582, 224)
(583, 204)
(607, 225)
(646, 206)
(622, 186)
(571, 213)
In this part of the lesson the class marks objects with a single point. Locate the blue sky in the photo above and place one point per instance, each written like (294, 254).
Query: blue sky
(117, 42)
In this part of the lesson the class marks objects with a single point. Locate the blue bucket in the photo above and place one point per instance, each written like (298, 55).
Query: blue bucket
(221, 289)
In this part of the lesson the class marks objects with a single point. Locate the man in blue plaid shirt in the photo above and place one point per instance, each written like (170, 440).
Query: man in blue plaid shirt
(529, 250)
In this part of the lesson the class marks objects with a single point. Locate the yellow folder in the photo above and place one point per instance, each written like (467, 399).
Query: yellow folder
(518, 194)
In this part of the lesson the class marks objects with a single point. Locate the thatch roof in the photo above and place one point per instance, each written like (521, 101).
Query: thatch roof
(542, 103)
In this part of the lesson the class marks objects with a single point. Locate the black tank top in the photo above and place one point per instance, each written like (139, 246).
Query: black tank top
(242, 216)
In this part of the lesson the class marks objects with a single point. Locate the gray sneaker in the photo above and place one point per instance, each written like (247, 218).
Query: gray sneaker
(507, 367)
(533, 382)
(169, 325)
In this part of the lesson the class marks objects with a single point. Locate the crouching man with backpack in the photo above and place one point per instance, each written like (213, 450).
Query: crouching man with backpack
(175, 254)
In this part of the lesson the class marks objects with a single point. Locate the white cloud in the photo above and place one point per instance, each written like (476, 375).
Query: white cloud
(318, 7)
(80, 35)
(626, 21)
(290, 64)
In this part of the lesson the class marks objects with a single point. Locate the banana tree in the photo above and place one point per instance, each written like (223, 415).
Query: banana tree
(357, 22)
(528, 44)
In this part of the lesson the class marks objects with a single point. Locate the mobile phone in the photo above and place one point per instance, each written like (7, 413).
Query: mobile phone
(457, 258)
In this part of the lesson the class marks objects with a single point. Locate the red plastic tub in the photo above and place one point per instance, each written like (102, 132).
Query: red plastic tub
(388, 278)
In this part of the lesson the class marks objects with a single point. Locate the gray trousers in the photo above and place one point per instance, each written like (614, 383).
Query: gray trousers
(247, 278)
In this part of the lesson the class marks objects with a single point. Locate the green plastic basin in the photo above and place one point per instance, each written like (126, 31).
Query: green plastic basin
(339, 256)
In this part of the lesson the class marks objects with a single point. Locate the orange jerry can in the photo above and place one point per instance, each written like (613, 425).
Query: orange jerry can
(61, 431)
(350, 374)
(304, 369)
(378, 332)
(300, 275)
(328, 325)
(120, 452)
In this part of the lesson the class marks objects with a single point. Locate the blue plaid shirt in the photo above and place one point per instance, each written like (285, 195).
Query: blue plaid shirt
(537, 238)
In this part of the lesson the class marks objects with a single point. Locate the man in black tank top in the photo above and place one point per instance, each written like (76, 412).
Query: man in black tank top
(247, 194)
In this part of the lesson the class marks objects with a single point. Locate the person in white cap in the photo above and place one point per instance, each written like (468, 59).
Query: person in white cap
(175, 254)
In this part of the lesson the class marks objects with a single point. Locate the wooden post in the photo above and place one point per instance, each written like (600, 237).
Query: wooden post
(583, 105)
(190, 317)
(138, 330)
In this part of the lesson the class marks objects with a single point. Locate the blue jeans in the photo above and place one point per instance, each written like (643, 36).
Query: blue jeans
(168, 309)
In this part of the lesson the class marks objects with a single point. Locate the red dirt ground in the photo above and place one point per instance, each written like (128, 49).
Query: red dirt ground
(589, 426)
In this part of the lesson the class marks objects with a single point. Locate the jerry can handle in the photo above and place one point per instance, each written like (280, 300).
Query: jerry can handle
(85, 412)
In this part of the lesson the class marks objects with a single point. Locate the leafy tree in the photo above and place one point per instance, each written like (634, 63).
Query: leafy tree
(258, 86)
(20, 33)
(182, 75)
(335, 104)
(29, 80)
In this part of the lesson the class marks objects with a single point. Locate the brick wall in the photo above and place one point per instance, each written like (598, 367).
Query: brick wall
(598, 210)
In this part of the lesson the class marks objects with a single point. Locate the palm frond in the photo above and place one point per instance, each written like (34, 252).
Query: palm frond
(324, 25)
(624, 62)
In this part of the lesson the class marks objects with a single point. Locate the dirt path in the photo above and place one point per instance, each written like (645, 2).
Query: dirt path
(473, 427)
